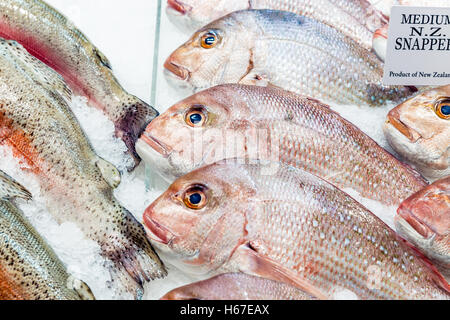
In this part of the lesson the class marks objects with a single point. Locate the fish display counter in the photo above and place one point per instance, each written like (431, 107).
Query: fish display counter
(217, 150)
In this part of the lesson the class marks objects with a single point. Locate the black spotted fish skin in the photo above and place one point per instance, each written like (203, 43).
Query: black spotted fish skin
(52, 38)
(36, 122)
(357, 19)
(29, 269)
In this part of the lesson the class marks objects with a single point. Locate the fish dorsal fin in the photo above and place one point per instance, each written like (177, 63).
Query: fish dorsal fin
(109, 172)
(10, 189)
(39, 71)
(254, 263)
(81, 288)
(102, 58)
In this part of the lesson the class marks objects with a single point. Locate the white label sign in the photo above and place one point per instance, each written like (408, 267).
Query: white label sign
(418, 49)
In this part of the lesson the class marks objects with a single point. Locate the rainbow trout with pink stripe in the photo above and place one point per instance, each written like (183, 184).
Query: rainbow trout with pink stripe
(52, 38)
(43, 133)
(287, 226)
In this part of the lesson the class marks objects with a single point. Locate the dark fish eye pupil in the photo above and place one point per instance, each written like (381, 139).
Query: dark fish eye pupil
(210, 40)
(445, 109)
(196, 118)
(195, 198)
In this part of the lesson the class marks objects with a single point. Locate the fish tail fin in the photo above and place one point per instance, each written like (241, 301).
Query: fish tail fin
(135, 261)
(379, 95)
(10, 188)
(133, 122)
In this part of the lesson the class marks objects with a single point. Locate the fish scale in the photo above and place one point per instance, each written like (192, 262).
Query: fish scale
(29, 269)
(282, 49)
(301, 132)
(36, 122)
(328, 63)
(286, 226)
(357, 19)
(237, 286)
(52, 38)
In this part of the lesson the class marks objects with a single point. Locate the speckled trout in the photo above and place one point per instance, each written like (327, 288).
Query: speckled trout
(282, 49)
(53, 39)
(287, 226)
(29, 269)
(36, 122)
(237, 286)
(252, 122)
(357, 19)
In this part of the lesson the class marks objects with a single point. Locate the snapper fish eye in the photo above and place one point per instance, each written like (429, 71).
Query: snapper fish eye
(196, 116)
(195, 197)
(209, 40)
(442, 108)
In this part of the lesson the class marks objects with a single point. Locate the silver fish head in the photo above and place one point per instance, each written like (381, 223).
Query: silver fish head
(194, 14)
(221, 52)
(190, 222)
(419, 130)
(424, 219)
(200, 130)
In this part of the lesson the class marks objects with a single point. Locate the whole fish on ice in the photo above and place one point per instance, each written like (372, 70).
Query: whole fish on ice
(277, 48)
(357, 19)
(252, 122)
(36, 122)
(237, 286)
(419, 130)
(424, 220)
(53, 39)
(288, 226)
(29, 269)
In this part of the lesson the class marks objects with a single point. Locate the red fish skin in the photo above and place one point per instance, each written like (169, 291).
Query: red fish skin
(237, 286)
(37, 123)
(428, 214)
(289, 226)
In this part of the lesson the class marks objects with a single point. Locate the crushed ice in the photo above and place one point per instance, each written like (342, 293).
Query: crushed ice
(81, 255)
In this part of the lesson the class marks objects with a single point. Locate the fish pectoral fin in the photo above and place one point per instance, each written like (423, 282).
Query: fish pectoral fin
(109, 172)
(10, 189)
(254, 263)
(81, 288)
(256, 78)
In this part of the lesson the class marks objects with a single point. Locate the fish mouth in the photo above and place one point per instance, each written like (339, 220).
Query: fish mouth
(177, 71)
(421, 228)
(394, 120)
(179, 7)
(155, 144)
(157, 232)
